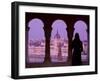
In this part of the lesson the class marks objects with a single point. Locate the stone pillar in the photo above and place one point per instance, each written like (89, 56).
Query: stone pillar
(26, 43)
(88, 44)
(70, 31)
(47, 31)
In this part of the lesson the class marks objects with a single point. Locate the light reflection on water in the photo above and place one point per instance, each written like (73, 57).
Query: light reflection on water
(54, 58)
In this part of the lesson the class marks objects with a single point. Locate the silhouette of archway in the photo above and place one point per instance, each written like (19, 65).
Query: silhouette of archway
(59, 41)
(36, 41)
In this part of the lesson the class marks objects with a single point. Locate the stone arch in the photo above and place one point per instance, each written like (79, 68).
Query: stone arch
(36, 38)
(59, 39)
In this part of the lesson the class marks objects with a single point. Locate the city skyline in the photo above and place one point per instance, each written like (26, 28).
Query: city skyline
(38, 48)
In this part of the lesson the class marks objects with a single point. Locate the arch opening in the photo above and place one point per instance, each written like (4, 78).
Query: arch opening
(59, 41)
(36, 41)
(81, 28)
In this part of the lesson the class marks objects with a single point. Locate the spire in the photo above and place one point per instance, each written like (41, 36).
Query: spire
(57, 35)
(57, 32)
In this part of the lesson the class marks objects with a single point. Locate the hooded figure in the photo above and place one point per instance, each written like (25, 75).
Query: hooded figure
(77, 48)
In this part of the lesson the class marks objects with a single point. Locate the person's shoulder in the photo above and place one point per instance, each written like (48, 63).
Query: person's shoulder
(73, 41)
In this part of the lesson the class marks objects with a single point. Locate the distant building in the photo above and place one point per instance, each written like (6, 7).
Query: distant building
(58, 47)
(85, 47)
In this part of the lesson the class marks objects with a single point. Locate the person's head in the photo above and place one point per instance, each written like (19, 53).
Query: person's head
(77, 36)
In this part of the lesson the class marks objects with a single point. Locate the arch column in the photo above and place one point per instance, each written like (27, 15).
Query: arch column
(26, 44)
(88, 41)
(47, 31)
(70, 31)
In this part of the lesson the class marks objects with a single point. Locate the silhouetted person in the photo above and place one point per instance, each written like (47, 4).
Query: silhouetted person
(77, 49)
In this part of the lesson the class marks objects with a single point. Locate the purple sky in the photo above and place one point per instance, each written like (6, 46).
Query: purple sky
(36, 31)
(81, 27)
